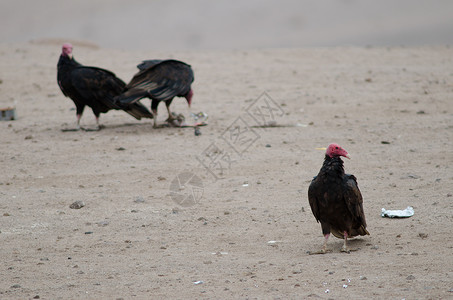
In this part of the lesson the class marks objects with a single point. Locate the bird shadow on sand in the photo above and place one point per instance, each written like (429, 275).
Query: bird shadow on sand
(354, 245)
(143, 126)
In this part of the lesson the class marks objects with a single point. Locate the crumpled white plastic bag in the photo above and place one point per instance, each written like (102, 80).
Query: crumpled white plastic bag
(406, 213)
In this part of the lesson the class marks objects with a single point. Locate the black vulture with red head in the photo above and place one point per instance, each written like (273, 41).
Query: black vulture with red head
(335, 199)
(159, 80)
(93, 87)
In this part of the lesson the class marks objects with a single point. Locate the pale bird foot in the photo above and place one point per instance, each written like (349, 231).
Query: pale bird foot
(345, 249)
(322, 251)
(97, 128)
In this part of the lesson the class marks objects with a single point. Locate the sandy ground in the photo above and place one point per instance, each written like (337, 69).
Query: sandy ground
(391, 108)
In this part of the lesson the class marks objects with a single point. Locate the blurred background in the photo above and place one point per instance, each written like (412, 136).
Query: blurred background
(229, 24)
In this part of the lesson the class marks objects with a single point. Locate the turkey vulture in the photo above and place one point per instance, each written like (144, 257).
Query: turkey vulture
(335, 199)
(159, 80)
(93, 87)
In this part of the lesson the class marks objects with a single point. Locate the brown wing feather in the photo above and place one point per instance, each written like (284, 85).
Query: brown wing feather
(312, 199)
(354, 202)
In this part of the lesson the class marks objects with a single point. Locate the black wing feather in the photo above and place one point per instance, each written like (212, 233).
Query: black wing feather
(161, 81)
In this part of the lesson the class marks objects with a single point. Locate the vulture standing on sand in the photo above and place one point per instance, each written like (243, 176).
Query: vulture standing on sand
(93, 87)
(159, 80)
(335, 199)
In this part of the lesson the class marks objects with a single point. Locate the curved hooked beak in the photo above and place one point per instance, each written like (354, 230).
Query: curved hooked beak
(189, 97)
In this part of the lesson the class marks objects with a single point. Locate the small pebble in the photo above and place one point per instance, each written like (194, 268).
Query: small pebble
(77, 205)
(268, 145)
(139, 199)
(423, 235)
(410, 277)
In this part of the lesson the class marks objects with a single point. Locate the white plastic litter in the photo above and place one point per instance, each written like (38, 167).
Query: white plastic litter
(406, 213)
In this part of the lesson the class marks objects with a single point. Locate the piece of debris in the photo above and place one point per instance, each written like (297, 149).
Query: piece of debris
(8, 114)
(77, 205)
(406, 213)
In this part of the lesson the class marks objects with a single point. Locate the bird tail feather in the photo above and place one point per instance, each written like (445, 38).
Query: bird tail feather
(138, 111)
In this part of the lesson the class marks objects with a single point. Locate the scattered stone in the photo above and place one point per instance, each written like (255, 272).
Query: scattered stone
(77, 205)
(88, 232)
(413, 176)
(16, 286)
(139, 199)
(6, 215)
(385, 142)
(423, 235)
(410, 277)
(268, 145)
(120, 149)
(363, 278)
(28, 137)
(161, 178)
(420, 112)
(368, 79)
(103, 223)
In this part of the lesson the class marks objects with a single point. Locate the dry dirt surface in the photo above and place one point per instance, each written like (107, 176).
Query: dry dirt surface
(225, 214)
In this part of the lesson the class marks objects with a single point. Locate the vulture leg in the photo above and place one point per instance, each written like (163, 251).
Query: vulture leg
(345, 247)
(326, 232)
(79, 116)
(98, 126)
(154, 111)
(79, 111)
(170, 115)
(324, 246)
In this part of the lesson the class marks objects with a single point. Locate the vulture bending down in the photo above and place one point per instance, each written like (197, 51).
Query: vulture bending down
(335, 199)
(159, 80)
(93, 87)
